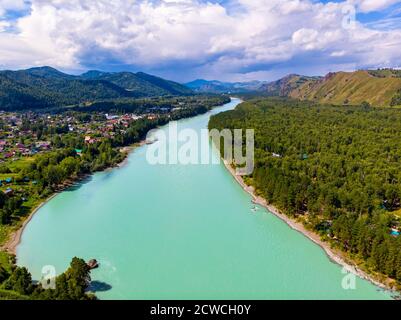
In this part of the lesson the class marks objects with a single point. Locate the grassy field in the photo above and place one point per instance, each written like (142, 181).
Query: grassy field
(16, 166)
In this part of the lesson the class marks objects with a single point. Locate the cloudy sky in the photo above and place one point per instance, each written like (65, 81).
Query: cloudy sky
(182, 40)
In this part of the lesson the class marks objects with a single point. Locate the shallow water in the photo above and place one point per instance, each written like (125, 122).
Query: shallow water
(180, 232)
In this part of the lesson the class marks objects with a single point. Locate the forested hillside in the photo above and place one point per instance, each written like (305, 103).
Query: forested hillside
(140, 84)
(47, 87)
(336, 168)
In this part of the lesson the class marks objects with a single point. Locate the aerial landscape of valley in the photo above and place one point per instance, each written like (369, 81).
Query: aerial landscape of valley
(194, 150)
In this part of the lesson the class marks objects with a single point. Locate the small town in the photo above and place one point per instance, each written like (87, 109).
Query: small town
(25, 135)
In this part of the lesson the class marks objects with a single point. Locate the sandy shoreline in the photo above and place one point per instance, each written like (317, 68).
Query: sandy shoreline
(127, 150)
(15, 237)
(14, 240)
(333, 256)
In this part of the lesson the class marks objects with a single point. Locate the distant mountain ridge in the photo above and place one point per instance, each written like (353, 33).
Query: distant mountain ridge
(380, 87)
(215, 86)
(45, 87)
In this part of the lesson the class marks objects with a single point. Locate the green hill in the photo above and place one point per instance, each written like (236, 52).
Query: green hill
(283, 87)
(379, 88)
(15, 96)
(140, 84)
(46, 87)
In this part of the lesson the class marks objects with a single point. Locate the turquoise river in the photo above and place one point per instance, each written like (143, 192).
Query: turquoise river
(180, 232)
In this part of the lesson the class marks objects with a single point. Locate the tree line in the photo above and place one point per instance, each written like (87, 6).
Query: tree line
(16, 283)
(337, 168)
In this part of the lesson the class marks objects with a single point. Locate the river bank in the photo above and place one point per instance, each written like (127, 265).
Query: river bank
(334, 255)
(127, 150)
(14, 238)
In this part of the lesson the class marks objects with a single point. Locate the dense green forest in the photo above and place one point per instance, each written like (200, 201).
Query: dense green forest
(141, 105)
(140, 83)
(336, 168)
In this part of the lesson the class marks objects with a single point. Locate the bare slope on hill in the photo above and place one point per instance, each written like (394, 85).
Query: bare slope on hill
(350, 88)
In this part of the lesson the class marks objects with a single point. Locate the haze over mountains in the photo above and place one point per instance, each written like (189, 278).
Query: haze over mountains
(45, 87)
(215, 86)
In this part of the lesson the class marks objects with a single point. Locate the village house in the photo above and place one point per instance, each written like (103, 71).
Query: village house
(43, 145)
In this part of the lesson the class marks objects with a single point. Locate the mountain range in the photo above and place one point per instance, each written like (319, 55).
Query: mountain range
(45, 87)
(215, 86)
(378, 87)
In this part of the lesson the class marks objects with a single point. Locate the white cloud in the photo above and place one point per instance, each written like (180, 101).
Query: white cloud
(341, 53)
(4, 25)
(200, 37)
(375, 5)
(306, 38)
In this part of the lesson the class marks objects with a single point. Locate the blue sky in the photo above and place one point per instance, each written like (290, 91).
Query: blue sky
(231, 40)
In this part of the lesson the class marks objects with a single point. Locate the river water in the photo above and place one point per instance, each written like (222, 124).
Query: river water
(180, 232)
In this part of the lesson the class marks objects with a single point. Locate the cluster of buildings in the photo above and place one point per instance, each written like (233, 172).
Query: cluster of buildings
(16, 140)
(114, 124)
(9, 150)
(19, 135)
